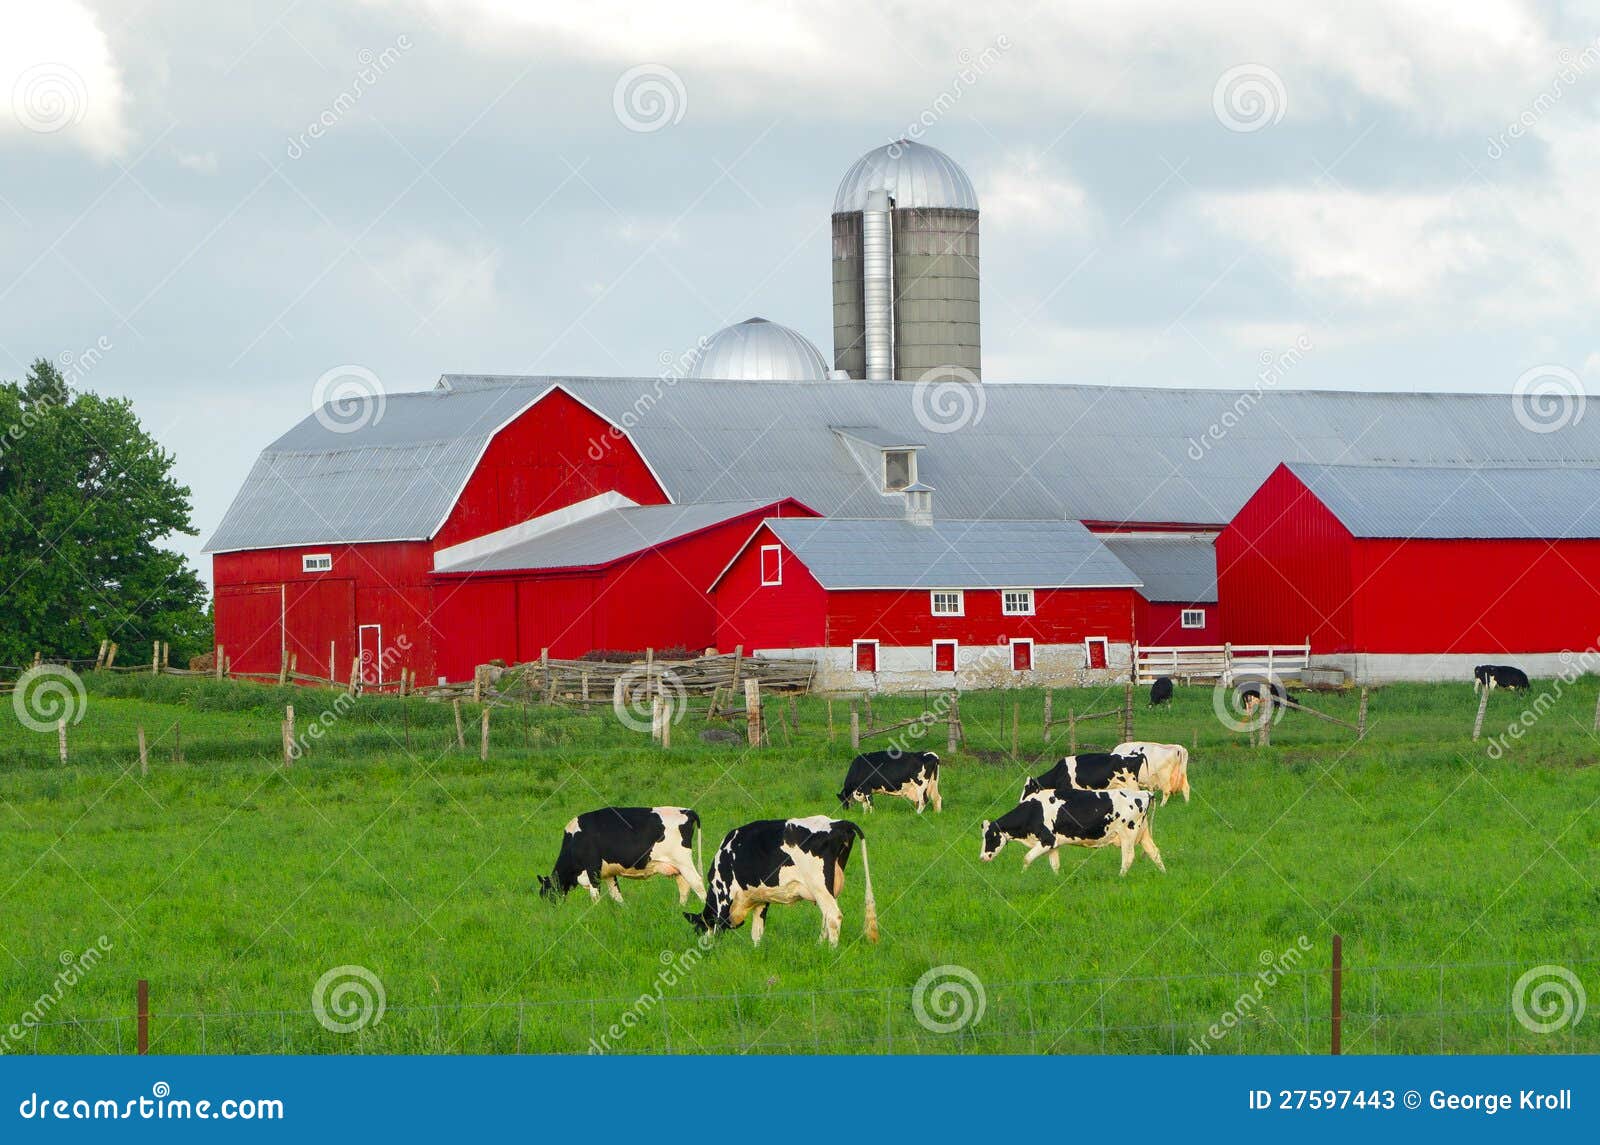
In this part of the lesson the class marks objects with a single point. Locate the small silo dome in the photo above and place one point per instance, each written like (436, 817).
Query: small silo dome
(756, 350)
(914, 175)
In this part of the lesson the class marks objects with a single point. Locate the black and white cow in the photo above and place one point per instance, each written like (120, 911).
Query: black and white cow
(1050, 820)
(626, 842)
(1090, 771)
(784, 861)
(913, 775)
(1499, 676)
(1161, 691)
(1166, 766)
(1252, 691)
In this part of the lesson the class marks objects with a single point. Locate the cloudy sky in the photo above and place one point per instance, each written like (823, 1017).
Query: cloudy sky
(207, 207)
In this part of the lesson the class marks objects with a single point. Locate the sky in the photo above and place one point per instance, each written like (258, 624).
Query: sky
(221, 210)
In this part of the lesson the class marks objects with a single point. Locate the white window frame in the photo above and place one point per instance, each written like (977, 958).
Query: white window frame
(1185, 614)
(955, 655)
(1014, 642)
(959, 594)
(316, 562)
(855, 656)
(1088, 656)
(377, 659)
(1006, 610)
(778, 551)
(911, 470)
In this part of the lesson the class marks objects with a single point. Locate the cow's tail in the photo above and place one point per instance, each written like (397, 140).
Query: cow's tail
(869, 921)
(699, 856)
(1180, 778)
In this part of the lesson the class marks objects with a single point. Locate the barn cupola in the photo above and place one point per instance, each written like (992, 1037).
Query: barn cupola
(919, 503)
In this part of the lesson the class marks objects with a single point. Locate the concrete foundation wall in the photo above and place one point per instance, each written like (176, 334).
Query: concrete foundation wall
(1390, 668)
(910, 669)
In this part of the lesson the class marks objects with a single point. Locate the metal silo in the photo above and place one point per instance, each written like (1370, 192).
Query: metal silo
(905, 266)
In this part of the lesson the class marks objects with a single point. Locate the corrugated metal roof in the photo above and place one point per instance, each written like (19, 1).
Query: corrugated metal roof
(607, 537)
(1464, 503)
(1176, 570)
(1037, 452)
(848, 553)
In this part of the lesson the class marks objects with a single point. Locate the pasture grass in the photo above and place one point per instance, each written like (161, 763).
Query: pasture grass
(234, 885)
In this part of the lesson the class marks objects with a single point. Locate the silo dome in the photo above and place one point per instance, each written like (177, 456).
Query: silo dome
(913, 174)
(756, 350)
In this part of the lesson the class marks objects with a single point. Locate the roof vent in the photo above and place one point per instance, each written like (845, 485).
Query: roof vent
(919, 503)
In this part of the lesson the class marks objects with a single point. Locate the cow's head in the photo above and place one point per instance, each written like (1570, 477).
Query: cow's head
(993, 840)
(1032, 787)
(846, 797)
(550, 889)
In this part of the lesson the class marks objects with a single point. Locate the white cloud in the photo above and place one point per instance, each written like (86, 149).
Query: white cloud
(1024, 191)
(58, 76)
(442, 282)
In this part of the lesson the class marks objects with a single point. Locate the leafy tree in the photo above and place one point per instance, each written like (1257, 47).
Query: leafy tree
(86, 497)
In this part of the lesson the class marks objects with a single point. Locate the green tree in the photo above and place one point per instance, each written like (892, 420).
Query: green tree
(86, 498)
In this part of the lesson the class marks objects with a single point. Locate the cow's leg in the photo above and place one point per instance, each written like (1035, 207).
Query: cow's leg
(613, 890)
(691, 876)
(933, 792)
(832, 917)
(758, 924)
(683, 889)
(1147, 842)
(590, 881)
(1127, 852)
(1055, 860)
(1033, 853)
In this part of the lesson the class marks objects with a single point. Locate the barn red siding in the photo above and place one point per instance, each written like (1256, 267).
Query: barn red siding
(1284, 567)
(788, 615)
(543, 461)
(1476, 596)
(1161, 623)
(904, 618)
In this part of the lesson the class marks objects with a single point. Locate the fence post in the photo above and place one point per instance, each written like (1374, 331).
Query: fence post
(752, 711)
(955, 711)
(952, 725)
(142, 1015)
(1049, 705)
(155, 658)
(1016, 721)
(144, 754)
(1269, 700)
(855, 727)
(830, 719)
(61, 737)
(1361, 716)
(1483, 704)
(544, 674)
(666, 715)
(1597, 713)
(1338, 994)
(483, 737)
(1127, 713)
(221, 659)
(461, 734)
(111, 654)
(288, 735)
(355, 675)
(1072, 732)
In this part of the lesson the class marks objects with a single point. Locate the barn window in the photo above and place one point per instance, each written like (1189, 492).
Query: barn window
(899, 469)
(866, 655)
(947, 602)
(944, 655)
(1193, 618)
(316, 562)
(1021, 655)
(1017, 602)
(771, 564)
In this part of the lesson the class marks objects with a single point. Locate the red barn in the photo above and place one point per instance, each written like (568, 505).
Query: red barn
(898, 603)
(1178, 603)
(1417, 573)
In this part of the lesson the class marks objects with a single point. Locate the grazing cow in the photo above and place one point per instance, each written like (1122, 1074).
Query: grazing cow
(1499, 676)
(1251, 693)
(1166, 767)
(1161, 691)
(911, 775)
(1050, 820)
(626, 842)
(1090, 771)
(783, 861)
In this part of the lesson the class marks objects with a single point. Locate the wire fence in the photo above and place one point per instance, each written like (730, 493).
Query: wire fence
(1275, 1008)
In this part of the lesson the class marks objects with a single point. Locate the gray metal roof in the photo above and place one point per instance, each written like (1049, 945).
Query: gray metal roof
(607, 537)
(1175, 570)
(851, 553)
(758, 350)
(1445, 503)
(1030, 451)
(914, 174)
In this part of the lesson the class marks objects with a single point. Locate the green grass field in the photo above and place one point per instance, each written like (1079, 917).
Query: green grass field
(233, 885)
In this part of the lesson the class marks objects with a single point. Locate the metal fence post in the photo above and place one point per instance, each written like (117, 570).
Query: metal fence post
(1338, 994)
